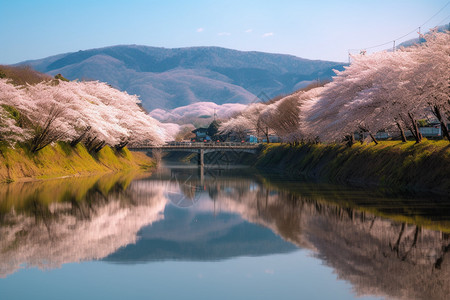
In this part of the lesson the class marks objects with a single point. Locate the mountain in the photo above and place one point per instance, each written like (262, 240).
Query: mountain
(208, 238)
(169, 78)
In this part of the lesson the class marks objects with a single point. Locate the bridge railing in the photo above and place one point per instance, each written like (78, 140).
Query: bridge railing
(209, 144)
(200, 145)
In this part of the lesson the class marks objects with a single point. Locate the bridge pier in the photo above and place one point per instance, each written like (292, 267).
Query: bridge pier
(201, 173)
(201, 157)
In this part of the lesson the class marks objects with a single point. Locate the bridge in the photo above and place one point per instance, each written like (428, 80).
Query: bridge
(200, 148)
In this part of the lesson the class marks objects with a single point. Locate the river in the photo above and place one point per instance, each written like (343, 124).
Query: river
(219, 233)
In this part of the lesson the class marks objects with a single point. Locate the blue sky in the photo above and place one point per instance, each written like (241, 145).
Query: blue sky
(310, 29)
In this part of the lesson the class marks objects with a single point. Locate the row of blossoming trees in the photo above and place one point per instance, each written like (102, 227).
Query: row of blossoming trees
(89, 112)
(385, 91)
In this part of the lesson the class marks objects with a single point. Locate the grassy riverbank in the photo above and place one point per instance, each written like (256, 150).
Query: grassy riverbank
(61, 160)
(406, 166)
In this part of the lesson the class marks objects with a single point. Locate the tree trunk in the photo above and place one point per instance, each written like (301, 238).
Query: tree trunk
(417, 134)
(121, 145)
(412, 132)
(373, 138)
(99, 146)
(440, 260)
(89, 143)
(350, 139)
(267, 135)
(41, 135)
(402, 132)
(75, 142)
(438, 115)
(396, 247)
(45, 135)
(413, 245)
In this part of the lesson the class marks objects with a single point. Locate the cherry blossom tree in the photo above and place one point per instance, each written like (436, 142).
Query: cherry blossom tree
(343, 104)
(50, 122)
(238, 125)
(384, 90)
(123, 110)
(247, 121)
(283, 116)
(89, 112)
(12, 121)
(9, 130)
(430, 80)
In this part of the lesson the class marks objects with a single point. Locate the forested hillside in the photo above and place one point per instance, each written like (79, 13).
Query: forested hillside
(169, 78)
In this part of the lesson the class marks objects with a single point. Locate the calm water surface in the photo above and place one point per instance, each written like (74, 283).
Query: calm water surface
(186, 233)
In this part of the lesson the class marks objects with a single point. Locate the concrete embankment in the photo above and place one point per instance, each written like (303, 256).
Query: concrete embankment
(405, 166)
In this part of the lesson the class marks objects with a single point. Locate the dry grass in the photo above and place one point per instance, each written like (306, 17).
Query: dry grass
(22, 75)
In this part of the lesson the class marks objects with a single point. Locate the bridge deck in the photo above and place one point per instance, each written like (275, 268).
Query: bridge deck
(198, 146)
(201, 148)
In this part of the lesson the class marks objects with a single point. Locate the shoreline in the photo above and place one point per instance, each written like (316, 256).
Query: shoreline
(61, 161)
(408, 167)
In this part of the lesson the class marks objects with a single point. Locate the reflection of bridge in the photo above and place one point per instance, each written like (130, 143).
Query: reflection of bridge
(201, 148)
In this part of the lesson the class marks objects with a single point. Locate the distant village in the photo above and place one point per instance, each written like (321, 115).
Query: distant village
(429, 129)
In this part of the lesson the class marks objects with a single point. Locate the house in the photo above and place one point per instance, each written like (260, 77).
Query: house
(200, 134)
(272, 139)
(251, 139)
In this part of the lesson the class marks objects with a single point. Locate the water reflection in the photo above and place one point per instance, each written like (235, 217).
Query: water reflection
(49, 223)
(386, 246)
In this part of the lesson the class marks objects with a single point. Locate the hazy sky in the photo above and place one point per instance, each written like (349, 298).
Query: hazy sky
(326, 29)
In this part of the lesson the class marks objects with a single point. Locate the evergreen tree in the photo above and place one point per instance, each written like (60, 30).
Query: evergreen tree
(213, 128)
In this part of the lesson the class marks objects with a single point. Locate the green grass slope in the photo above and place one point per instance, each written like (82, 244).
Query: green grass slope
(61, 160)
(409, 166)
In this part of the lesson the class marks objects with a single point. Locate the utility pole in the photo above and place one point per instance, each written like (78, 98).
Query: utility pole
(393, 48)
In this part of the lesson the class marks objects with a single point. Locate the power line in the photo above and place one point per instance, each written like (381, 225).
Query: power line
(379, 45)
(436, 14)
(414, 30)
(442, 22)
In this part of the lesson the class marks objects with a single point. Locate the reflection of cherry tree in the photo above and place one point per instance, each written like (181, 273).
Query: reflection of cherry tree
(63, 232)
(377, 256)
